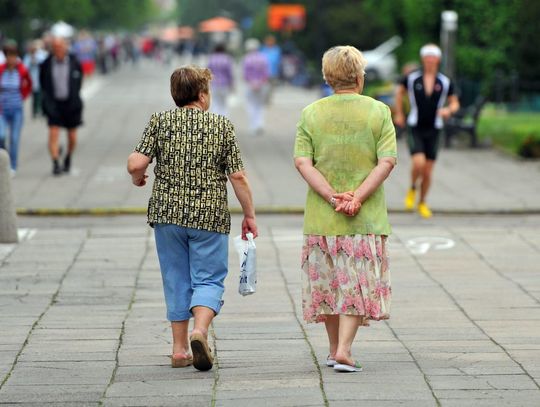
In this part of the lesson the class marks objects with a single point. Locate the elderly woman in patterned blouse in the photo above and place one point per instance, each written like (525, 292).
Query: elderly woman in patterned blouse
(345, 148)
(195, 151)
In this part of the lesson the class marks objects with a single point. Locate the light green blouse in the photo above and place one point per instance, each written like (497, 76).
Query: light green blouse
(345, 135)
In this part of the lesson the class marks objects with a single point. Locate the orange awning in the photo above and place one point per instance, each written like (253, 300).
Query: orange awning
(217, 24)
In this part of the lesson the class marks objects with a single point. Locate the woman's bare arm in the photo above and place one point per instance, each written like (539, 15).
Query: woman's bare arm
(314, 178)
(242, 191)
(136, 166)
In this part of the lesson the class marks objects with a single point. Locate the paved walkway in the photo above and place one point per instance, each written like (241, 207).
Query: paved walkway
(82, 322)
(118, 107)
(81, 310)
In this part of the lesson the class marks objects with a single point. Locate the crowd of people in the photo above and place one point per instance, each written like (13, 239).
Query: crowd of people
(37, 77)
(51, 72)
(52, 69)
(263, 66)
(261, 72)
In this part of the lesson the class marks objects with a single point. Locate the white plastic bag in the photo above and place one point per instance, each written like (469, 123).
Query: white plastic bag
(248, 264)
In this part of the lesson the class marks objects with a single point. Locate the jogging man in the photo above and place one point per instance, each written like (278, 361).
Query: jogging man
(428, 91)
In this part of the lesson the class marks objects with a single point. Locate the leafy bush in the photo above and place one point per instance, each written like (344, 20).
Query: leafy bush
(517, 133)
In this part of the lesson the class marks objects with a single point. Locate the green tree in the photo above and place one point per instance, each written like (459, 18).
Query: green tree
(364, 24)
(492, 36)
(192, 12)
(127, 14)
(16, 16)
(526, 50)
(486, 37)
(420, 24)
(75, 12)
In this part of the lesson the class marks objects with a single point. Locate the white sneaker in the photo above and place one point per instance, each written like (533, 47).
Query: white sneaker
(12, 173)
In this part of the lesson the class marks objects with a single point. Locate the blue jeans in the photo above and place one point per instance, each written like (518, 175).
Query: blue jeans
(12, 118)
(193, 268)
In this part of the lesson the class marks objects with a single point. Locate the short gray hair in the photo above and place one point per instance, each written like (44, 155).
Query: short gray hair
(341, 65)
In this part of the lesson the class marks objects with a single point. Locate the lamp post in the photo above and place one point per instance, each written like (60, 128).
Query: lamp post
(449, 23)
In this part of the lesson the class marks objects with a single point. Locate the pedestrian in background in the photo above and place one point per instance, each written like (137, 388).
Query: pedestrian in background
(428, 91)
(256, 72)
(61, 80)
(85, 49)
(32, 60)
(221, 64)
(345, 148)
(272, 52)
(189, 210)
(15, 86)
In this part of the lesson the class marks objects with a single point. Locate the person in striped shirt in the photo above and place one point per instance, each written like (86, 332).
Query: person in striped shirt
(15, 86)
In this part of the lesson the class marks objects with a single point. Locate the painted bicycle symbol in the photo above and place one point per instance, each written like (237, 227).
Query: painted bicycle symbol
(422, 245)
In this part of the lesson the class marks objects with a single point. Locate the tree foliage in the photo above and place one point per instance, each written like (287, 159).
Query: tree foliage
(493, 35)
(17, 17)
(192, 12)
(526, 49)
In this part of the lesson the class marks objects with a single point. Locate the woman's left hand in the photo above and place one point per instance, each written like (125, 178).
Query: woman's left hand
(347, 204)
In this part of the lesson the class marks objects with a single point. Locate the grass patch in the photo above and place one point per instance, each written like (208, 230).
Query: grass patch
(514, 132)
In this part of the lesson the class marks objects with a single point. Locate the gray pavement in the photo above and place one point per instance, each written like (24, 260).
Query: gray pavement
(82, 319)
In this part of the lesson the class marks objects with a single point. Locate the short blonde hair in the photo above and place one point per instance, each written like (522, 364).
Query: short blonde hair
(341, 65)
(187, 82)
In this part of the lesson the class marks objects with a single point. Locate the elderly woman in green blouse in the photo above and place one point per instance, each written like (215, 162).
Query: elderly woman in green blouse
(196, 152)
(345, 148)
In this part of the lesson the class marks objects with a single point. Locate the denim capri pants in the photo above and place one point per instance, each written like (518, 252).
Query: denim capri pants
(193, 266)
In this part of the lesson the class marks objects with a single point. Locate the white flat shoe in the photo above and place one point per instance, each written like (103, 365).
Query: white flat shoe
(341, 367)
(330, 362)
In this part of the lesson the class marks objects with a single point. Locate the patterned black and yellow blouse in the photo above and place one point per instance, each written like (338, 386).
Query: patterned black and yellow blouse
(194, 152)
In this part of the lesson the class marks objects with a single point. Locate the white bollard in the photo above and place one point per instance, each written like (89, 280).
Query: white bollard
(8, 216)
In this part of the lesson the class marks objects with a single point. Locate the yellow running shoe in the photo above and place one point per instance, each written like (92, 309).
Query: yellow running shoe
(424, 211)
(410, 199)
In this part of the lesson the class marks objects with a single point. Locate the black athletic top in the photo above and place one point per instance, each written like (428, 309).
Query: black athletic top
(424, 108)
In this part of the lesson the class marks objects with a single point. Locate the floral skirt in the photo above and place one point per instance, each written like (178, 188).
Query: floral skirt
(346, 275)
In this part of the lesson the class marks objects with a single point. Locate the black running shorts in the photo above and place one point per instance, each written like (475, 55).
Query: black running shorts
(425, 141)
(65, 115)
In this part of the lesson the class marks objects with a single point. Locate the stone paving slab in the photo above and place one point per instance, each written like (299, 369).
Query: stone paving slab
(51, 404)
(159, 401)
(39, 395)
(487, 403)
(385, 403)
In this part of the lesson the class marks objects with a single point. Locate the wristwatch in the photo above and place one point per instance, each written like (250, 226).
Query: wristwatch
(333, 202)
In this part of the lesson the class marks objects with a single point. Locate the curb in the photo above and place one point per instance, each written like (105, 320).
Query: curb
(261, 210)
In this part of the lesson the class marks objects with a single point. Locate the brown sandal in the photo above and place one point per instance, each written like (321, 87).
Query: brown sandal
(202, 355)
(185, 360)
